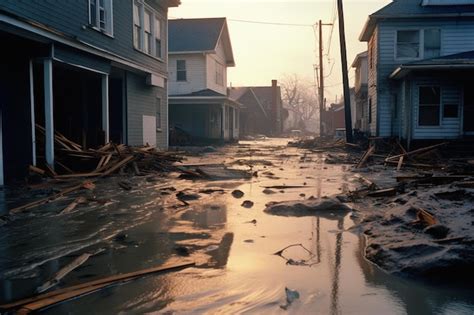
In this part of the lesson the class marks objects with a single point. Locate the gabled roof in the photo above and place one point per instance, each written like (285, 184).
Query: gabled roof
(461, 61)
(187, 36)
(253, 97)
(206, 92)
(358, 58)
(415, 9)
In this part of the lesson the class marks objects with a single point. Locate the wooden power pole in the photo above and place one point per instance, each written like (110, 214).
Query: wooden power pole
(345, 77)
(321, 79)
(321, 76)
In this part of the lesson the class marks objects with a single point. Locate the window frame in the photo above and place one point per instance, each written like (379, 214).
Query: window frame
(181, 70)
(108, 14)
(421, 40)
(440, 107)
(158, 113)
(154, 17)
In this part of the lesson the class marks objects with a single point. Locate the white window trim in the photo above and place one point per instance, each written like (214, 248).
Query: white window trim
(421, 34)
(154, 15)
(97, 28)
(440, 107)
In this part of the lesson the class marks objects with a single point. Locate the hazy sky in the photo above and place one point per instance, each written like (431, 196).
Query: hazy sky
(264, 52)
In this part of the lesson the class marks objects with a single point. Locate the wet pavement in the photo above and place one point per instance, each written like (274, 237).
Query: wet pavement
(232, 245)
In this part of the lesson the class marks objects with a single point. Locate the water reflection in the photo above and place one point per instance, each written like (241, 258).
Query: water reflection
(337, 268)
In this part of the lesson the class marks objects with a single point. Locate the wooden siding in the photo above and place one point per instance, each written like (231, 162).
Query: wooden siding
(456, 36)
(71, 17)
(141, 100)
(372, 82)
(195, 74)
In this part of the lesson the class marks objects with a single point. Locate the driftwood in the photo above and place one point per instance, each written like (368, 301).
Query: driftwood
(48, 299)
(383, 192)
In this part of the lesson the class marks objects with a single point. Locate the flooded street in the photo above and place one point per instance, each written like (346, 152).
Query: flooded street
(232, 242)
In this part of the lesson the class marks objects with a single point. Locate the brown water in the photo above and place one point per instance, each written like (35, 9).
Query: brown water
(237, 271)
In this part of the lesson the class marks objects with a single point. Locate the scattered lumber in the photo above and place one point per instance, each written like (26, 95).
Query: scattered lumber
(43, 300)
(284, 187)
(370, 184)
(467, 184)
(365, 157)
(414, 152)
(73, 205)
(383, 192)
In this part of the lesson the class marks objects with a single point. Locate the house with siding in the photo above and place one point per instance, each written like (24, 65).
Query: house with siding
(200, 51)
(421, 64)
(262, 112)
(93, 70)
(359, 105)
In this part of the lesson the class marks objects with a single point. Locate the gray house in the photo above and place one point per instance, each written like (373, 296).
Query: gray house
(359, 105)
(199, 54)
(93, 70)
(421, 65)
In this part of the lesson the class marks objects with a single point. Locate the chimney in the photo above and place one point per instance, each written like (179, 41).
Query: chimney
(276, 115)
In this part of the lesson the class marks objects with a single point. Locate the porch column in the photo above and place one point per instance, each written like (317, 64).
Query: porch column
(1, 149)
(48, 111)
(33, 121)
(105, 106)
(223, 122)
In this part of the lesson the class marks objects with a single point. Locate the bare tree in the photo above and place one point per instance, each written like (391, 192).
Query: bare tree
(299, 96)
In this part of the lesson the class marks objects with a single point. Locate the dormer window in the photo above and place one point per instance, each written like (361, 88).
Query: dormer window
(100, 15)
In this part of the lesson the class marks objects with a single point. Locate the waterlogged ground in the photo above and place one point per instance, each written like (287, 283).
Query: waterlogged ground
(232, 245)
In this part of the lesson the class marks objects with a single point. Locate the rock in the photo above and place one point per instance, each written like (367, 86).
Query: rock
(247, 204)
(182, 250)
(185, 196)
(437, 231)
(326, 207)
(268, 191)
(238, 193)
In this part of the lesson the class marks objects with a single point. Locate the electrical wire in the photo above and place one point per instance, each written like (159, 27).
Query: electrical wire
(271, 23)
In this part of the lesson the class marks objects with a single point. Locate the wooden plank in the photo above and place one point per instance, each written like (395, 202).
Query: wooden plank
(57, 296)
(425, 217)
(101, 161)
(400, 162)
(396, 157)
(67, 169)
(73, 205)
(50, 171)
(370, 184)
(92, 174)
(36, 170)
(383, 193)
(118, 165)
(63, 272)
(366, 155)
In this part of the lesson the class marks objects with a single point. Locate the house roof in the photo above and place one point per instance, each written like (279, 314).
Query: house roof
(358, 58)
(206, 92)
(416, 9)
(460, 61)
(199, 36)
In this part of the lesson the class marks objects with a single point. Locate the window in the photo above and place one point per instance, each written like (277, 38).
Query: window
(158, 113)
(429, 106)
(147, 30)
(219, 74)
(408, 44)
(370, 110)
(100, 15)
(450, 111)
(432, 43)
(181, 70)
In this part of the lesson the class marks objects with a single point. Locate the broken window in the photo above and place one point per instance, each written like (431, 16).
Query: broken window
(147, 30)
(432, 43)
(429, 106)
(181, 70)
(100, 15)
(408, 44)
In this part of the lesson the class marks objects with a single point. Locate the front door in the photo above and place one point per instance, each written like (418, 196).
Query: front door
(468, 112)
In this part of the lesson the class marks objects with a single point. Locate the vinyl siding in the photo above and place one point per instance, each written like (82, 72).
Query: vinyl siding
(372, 82)
(141, 100)
(71, 17)
(456, 36)
(449, 127)
(211, 60)
(195, 74)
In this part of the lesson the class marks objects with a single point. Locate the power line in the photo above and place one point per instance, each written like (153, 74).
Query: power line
(271, 23)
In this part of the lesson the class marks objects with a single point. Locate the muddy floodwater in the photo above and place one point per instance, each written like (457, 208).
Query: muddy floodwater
(232, 242)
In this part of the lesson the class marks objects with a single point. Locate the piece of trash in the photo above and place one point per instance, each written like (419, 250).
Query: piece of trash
(247, 204)
(291, 296)
(237, 193)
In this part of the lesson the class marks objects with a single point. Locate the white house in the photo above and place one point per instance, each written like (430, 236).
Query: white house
(200, 51)
(421, 64)
(359, 105)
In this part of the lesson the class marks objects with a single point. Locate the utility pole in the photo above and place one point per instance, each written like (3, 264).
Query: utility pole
(345, 77)
(321, 77)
